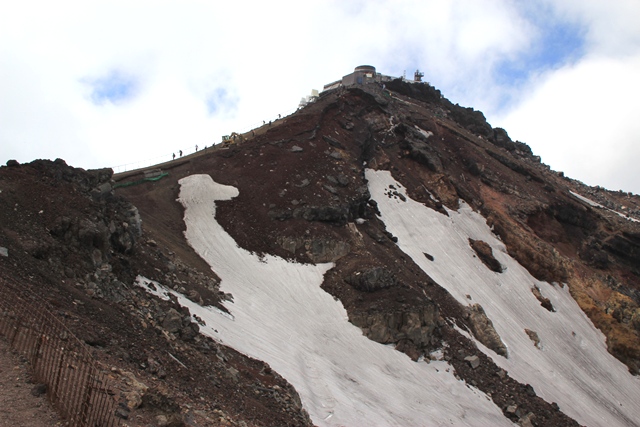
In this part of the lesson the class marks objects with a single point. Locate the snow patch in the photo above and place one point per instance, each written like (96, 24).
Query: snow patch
(282, 316)
(572, 367)
(425, 133)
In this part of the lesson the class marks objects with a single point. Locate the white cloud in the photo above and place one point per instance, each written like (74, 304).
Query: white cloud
(257, 59)
(611, 27)
(583, 120)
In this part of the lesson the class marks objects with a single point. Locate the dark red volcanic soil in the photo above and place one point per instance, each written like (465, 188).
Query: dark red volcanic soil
(301, 183)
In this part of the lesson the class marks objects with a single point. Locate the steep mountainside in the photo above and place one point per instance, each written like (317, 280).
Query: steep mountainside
(412, 212)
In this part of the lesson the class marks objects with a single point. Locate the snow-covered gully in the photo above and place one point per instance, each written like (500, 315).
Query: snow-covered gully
(282, 316)
(571, 366)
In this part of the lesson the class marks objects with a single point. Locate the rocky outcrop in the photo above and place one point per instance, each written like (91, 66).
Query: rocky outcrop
(372, 279)
(515, 165)
(335, 214)
(424, 92)
(593, 253)
(87, 180)
(423, 154)
(533, 336)
(485, 253)
(501, 139)
(541, 259)
(417, 148)
(96, 236)
(482, 328)
(626, 247)
(318, 250)
(413, 331)
(573, 214)
(545, 302)
(472, 120)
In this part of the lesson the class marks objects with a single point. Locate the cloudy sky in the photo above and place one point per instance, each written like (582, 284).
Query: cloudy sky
(111, 83)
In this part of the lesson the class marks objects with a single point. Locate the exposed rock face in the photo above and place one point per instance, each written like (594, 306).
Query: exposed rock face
(482, 328)
(472, 120)
(625, 246)
(593, 253)
(172, 321)
(335, 214)
(412, 331)
(417, 147)
(533, 335)
(515, 165)
(318, 250)
(372, 279)
(540, 258)
(485, 253)
(424, 92)
(545, 302)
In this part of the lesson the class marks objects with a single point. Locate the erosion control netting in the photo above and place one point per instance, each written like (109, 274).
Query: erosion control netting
(77, 388)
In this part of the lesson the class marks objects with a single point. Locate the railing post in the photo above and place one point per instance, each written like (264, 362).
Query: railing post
(56, 383)
(16, 329)
(87, 400)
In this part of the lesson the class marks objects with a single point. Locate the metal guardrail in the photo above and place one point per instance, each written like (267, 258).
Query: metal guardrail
(76, 387)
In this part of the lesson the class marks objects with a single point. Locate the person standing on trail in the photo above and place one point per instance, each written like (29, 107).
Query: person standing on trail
(180, 153)
(174, 156)
(196, 147)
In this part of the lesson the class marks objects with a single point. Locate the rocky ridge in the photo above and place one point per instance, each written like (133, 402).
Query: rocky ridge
(303, 196)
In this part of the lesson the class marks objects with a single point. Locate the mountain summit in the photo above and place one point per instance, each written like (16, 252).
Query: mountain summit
(382, 256)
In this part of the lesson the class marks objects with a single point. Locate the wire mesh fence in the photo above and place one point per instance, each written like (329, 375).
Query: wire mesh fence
(75, 386)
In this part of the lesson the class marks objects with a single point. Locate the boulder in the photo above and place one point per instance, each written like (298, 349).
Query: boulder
(482, 328)
(343, 180)
(172, 321)
(485, 253)
(533, 335)
(474, 361)
(545, 302)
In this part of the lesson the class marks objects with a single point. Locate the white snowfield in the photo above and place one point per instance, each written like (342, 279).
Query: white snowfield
(572, 366)
(281, 315)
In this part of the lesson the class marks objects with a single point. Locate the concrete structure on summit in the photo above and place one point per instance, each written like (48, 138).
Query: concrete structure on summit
(365, 74)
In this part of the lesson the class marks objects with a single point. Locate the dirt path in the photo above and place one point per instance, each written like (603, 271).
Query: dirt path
(18, 406)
